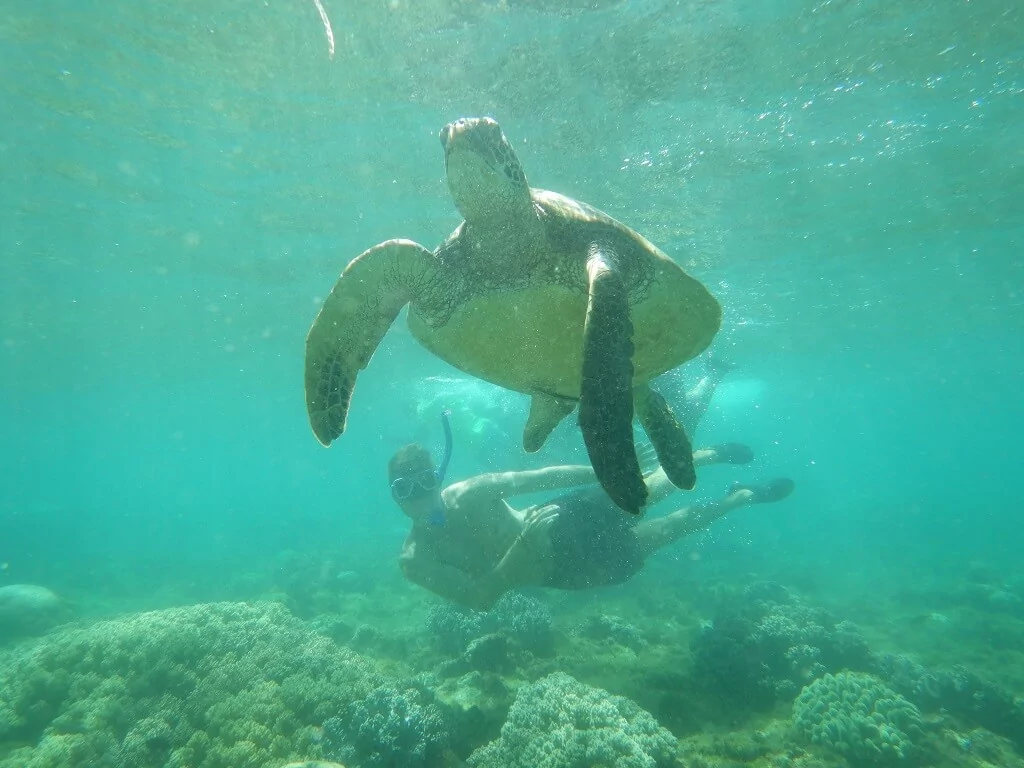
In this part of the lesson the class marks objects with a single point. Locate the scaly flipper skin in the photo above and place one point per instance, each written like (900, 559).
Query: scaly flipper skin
(606, 389)
(362, 306)
(675, 454)
(546, 412)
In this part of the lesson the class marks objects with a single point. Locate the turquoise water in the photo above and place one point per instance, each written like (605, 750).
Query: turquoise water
(180, 185)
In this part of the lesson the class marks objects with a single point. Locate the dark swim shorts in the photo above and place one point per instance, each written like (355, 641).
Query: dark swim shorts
(592, 542)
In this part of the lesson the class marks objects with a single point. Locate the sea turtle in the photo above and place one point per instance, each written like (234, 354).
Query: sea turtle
(535, 292)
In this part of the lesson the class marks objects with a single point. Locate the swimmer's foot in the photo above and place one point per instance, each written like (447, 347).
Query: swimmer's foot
(733, 453)
(773, 490)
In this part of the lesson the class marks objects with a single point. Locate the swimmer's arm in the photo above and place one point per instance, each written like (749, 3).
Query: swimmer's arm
(505, 484)
(478, 593)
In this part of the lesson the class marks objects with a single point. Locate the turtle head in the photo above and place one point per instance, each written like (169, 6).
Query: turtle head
(484, 175)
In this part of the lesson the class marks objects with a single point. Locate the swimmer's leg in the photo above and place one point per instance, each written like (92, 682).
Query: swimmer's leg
(659, 487)
(656, 533)
(698, 399)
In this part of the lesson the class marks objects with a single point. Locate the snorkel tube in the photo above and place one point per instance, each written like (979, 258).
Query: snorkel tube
(437, 516)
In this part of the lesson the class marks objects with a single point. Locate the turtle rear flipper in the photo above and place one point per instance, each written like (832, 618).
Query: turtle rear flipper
(546, 412)
(606, 389)
(361, 307)
(675, 454)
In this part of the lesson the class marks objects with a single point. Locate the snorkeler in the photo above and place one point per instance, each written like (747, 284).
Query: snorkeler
(469, 545)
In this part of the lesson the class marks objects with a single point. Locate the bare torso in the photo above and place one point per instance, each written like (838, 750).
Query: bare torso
(478, 531)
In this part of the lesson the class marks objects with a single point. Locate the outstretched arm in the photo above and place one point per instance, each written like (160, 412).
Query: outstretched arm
(505, 484)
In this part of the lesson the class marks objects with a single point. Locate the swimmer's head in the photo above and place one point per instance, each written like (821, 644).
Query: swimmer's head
(415, 482)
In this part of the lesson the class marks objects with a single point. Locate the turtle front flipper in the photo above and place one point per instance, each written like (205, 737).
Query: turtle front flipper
(354, 318)
(606, 389)
(675, 454)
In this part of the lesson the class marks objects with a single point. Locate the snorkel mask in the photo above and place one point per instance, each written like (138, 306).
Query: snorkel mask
(429, 479)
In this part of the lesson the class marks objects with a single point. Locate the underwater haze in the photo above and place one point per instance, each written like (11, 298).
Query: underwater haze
(182, 183)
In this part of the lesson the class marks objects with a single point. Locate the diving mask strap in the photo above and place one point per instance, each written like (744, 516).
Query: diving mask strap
(437, 516)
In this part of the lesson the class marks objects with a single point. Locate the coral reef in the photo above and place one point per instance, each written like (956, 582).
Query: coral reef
(452, 627)
(478, 702)
(489, 653)
(559, 722)
(764, 646)
(771, 746)
(957, 691)
(525, 620)
(390, 728)
(615, 629)
(225, 685)
(253, 686)
(858, 716)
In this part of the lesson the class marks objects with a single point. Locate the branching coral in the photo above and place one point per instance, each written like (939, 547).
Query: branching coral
(764, 646)
(390, 728)
(523, 619)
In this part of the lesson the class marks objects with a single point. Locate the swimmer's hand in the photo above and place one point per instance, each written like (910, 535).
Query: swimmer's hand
(536, 526)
